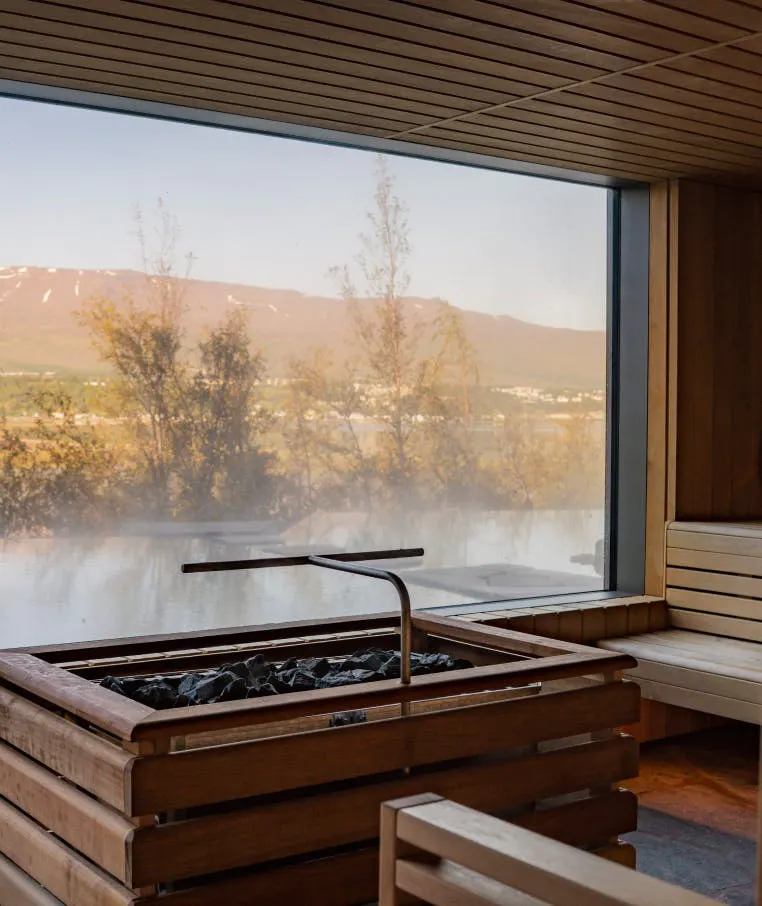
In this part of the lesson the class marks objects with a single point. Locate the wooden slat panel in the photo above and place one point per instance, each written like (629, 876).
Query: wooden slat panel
(493, 23)
(267, 832)
(380, 40)
(276, 66)
(111, 712)
(746, 529)
(722, 583)
(732, 708)
(515, 123)
(705, 19)
(258, 96)
(197, 777)
(18, 889)
(274, 82)
(621, 119)
(700, 680)
(69, 750)
(444, 882)
(204, 718)
(712, 652)
(671, 143)
(350, 877)
(745, 608)
(352, 60)
(641, 21)
(552, 873)
(477, 42)
(282, 113)
(576, 153)
(204, 638)
(716, 625)
(94, 829)
(73, 880)
(711, 541)
(517, 151)
(714, 562)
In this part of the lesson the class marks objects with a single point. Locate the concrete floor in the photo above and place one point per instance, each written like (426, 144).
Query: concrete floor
(697, 825)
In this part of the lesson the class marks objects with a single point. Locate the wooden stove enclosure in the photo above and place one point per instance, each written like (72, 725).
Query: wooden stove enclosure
(108, 802)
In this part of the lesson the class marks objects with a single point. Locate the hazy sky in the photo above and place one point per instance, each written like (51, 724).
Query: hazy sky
(279, 213)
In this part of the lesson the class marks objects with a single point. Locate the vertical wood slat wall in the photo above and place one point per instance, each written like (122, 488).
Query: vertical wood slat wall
(718, 372)
(705, 360)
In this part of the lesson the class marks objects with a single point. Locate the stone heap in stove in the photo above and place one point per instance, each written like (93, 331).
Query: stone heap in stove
(256, 677)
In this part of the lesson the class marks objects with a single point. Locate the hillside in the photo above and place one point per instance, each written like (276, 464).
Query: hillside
(39, 330)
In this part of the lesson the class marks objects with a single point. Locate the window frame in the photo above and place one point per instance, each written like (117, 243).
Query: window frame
(627, 313)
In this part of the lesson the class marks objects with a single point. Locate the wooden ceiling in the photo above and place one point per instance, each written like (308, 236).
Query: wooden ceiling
(634, 89)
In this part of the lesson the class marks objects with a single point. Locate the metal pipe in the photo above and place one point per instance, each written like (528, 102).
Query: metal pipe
(406, 617)
(301, 560)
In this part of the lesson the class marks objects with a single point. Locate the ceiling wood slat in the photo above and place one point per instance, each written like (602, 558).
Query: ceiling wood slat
(585, 135)
(384, 38)
(728, 11)
(638, 20)
(244, 70)
(115, 73)
(631, 89)
(177, 42)
(589, 125)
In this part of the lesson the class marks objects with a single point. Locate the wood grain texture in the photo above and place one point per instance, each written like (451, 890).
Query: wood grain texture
(18, 889)
(113, 713)
(719, 413)
(715, 562)
(322, 821)
(73, 880)
(93, 829)
(185, 779)
(666, 92)
(518, 861)
(727, 605)
(71, 751)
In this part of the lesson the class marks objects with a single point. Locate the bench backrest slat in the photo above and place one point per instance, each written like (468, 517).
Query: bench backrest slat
(714, 578)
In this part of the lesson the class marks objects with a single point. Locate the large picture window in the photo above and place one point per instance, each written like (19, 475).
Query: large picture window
(217, 345)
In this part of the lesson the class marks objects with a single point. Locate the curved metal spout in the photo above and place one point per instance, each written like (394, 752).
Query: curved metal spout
(406, 619)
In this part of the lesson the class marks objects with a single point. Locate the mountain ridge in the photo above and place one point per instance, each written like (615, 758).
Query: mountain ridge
(39, 330)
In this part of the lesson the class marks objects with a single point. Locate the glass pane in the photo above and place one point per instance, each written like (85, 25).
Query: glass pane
(217, 345)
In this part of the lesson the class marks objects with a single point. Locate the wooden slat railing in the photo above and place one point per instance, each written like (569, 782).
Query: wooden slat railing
(437, 852)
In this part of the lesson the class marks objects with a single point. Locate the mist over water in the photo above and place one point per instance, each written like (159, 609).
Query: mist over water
(73, 589)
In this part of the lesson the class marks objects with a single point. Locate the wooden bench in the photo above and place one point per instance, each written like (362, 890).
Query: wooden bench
(435, 851)
(709, 658)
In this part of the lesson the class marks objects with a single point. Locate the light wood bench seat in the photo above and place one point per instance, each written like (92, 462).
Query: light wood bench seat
(697, 671)
(709, 658)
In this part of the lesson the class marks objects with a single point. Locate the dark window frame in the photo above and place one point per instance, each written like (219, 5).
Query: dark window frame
(627, 319)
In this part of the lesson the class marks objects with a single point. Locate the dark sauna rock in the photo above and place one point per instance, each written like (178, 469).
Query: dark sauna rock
(157, 694)
(256, 677)
(347, 718)
(346, 678)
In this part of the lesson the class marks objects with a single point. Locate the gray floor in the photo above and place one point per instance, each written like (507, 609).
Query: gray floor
(697, 821)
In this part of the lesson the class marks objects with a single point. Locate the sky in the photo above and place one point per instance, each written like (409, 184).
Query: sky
(277, 212)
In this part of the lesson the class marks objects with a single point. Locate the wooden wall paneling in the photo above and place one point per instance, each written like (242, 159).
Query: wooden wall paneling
(695, 379)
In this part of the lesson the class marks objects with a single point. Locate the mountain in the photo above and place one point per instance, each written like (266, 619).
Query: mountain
(39, 329)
